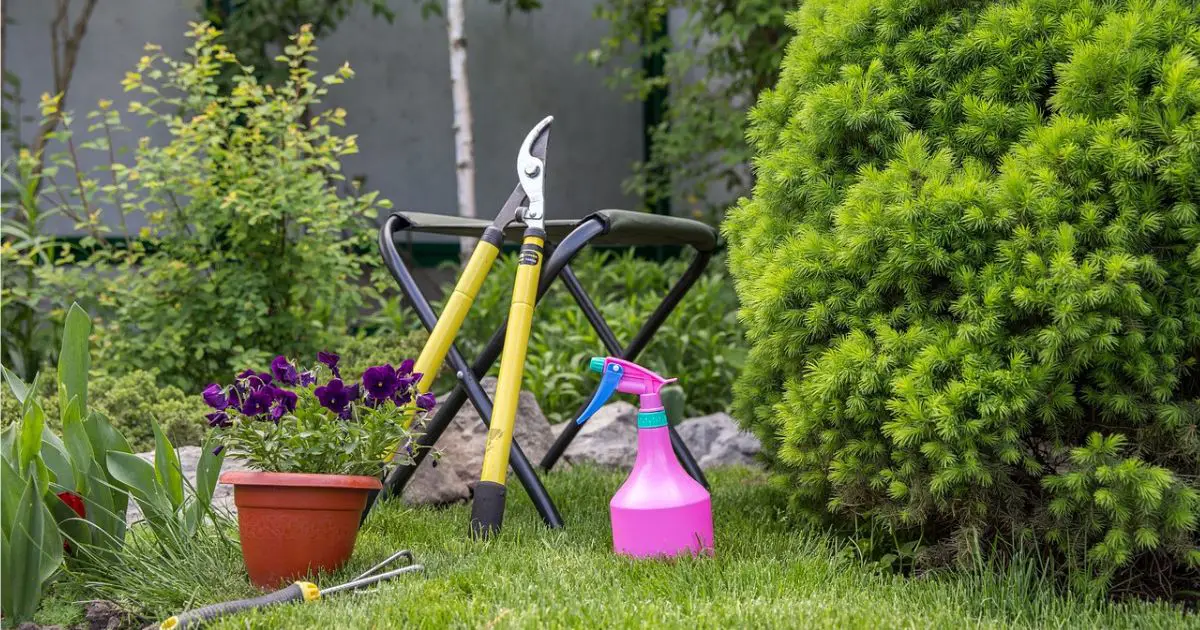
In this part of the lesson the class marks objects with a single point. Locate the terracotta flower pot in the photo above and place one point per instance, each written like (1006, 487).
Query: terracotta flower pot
(293, 525)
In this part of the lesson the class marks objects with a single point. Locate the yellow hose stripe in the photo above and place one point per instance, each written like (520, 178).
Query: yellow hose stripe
(310, 591)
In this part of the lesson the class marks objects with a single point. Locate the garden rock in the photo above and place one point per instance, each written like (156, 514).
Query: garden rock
(189, 456)
(609, 439)
(461, 449)
(717, 440)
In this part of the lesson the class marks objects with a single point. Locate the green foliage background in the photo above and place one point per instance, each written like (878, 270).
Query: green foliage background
(717, 55)
(256, 244)
(970, 277)
(130, 401)
(700, 343)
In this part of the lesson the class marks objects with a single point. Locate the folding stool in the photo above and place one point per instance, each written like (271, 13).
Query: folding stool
(565, 239)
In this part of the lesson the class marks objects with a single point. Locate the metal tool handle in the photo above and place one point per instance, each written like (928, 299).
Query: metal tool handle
(487, 508)
(298, 592)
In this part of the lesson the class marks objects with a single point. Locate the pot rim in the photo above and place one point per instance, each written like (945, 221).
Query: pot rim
(301, 480)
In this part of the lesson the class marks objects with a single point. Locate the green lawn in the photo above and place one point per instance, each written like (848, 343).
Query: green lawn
(766, 573)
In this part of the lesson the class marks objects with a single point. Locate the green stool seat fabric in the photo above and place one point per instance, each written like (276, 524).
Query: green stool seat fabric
(622, 227)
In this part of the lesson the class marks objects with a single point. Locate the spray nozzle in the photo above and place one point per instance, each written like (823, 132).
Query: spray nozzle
(627, 377)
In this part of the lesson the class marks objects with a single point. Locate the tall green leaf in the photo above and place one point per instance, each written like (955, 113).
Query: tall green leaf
(8, 440)
(74, 359)
(106, 504)
(166, 467)
(15, 384)
(110, 440)
(78, 444)
(6, 594)
(138, 476)
(58, 461)
(52, 543)
(208, 470)
(103, 436)
(11, 485)
(29, 438)
(23, 573)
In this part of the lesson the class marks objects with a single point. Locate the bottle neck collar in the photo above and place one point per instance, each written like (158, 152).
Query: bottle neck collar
(651, 419)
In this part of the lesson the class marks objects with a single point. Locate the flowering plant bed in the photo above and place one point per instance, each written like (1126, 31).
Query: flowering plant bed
(319, 450)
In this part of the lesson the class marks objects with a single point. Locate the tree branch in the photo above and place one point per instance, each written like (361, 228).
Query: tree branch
(64, 53)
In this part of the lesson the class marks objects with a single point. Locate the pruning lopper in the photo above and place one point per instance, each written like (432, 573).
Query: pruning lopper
(527, 205)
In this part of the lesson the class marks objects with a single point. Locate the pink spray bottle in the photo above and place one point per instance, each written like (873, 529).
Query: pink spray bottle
(659, 510)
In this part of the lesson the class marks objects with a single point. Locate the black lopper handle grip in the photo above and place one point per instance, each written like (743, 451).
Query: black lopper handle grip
(487, 509)
(298, 592)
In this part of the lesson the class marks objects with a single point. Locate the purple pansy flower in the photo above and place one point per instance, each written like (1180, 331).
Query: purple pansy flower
(283, 371)
(254, 380)
(330, 359)
(285, 401)
(426, 401)
(406, 367)
(410, 380)
(307, 378)
(215, 397)
(219, 419)
(336, 397)
(380, 382)
(259, 401)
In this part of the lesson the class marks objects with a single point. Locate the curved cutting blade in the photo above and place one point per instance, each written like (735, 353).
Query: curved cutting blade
(531, 171)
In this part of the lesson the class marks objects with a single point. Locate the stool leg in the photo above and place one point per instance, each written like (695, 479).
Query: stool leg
(630, 353)
(469, 387)
(690, 465)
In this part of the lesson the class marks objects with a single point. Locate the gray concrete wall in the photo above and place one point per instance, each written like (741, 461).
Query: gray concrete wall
(521, 68)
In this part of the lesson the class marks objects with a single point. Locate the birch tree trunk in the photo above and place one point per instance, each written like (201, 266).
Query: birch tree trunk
(464, 143)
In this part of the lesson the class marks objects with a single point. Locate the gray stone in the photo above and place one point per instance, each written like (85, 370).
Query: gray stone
(461, 451)
(609, 439)
(189, 456)
(717, 440)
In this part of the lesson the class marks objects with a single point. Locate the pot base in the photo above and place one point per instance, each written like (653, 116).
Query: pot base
(294, 525)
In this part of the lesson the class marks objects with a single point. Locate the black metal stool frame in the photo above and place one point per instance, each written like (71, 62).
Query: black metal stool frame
(469, 375)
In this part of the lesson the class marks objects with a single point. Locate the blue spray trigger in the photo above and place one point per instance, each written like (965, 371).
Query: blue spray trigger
(608, 385)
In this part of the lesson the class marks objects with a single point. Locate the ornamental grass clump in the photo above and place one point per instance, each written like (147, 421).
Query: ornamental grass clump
(312, 421)
(970, 277)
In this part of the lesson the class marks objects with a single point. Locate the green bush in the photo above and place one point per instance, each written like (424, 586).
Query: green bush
(970, 276)
(377, 348)
(130, 401)
(700, 344)
(255, 243)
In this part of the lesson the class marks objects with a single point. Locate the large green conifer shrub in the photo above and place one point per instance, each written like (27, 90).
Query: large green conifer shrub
(970, 275)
